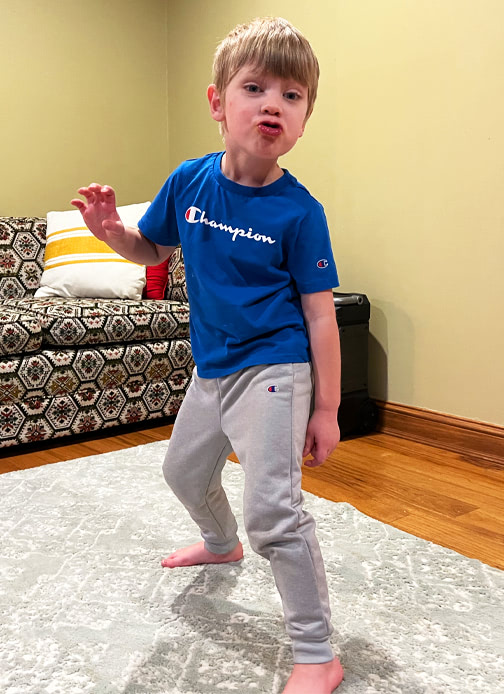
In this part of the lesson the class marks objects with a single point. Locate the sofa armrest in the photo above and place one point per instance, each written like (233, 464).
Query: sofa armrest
(22, 246)
(176, 289)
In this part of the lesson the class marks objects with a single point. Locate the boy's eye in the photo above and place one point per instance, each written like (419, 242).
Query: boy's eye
(253, 88)
(292, 96)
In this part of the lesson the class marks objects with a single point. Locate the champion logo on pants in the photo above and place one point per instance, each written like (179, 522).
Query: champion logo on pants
(273, 389)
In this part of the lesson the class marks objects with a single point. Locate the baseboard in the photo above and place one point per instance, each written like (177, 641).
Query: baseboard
(480, 442)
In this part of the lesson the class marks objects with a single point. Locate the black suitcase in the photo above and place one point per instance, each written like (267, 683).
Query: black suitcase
(358, 413)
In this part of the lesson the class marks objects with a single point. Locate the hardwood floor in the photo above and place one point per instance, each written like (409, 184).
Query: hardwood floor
(428, 492)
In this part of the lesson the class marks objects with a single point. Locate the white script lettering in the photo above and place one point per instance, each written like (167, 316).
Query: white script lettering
(196, 216)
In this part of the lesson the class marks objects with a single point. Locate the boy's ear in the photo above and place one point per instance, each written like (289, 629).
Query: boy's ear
(304, 124)
(216, 103)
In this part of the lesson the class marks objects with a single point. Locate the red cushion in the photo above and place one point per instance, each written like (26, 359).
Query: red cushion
(156, 281)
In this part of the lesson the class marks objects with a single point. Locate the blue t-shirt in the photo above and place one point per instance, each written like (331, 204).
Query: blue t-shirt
(249, 253)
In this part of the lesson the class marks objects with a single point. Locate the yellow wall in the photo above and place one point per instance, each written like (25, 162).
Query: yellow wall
(405, 150)
(83, 85)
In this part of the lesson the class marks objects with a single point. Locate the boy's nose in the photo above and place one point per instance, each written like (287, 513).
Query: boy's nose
(271, 109)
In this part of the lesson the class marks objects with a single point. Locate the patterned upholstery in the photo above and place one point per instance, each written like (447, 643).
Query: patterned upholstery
(70, 366)
(20, 331)
(22, 245)
(176, 288)
(100, 321)
(57, 393)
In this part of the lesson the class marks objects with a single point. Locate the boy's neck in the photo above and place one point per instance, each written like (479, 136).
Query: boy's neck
(256, 174)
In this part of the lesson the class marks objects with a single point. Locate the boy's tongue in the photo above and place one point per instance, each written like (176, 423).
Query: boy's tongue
(269, 129)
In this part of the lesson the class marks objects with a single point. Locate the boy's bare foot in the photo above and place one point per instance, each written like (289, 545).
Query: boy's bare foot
(197, 554)
(316, 678)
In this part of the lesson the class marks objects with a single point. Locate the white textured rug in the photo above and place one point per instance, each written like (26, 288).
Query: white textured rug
(85, 606)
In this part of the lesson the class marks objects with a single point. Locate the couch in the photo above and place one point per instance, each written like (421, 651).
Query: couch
(77, 365)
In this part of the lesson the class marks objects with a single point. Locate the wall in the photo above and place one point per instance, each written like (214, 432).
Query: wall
(84, 98)
(405, 151)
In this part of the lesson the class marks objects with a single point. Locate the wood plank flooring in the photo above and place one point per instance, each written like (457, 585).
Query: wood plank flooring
(428, 492)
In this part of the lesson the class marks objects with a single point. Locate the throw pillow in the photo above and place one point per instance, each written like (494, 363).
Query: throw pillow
(156, 281)
(77, 264)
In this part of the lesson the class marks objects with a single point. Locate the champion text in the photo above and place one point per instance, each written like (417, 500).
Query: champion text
(196, 216)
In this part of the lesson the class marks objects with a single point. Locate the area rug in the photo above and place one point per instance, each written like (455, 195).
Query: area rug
(85, 606)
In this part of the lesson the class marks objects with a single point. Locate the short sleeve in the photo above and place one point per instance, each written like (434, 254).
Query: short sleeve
(310, 257)
(159, 223)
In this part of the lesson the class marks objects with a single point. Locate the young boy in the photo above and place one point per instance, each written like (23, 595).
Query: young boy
(259, 272)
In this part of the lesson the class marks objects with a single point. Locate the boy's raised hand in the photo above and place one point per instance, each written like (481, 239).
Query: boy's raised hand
(99, 211)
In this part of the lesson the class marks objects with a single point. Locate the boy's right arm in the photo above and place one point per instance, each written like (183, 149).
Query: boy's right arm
(102, 219)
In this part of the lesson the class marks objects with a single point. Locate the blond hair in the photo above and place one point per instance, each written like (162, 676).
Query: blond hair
(270, 44)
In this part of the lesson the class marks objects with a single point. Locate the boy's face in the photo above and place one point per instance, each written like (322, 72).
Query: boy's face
(262, 115)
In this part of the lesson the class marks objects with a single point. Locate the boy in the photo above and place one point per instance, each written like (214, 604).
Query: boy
(259, 272)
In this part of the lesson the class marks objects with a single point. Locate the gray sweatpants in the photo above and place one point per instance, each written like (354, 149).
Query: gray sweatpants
(261, 413)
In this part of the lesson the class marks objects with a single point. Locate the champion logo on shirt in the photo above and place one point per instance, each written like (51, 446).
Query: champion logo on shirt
(194, 215)
(322, 263)
(273, 389)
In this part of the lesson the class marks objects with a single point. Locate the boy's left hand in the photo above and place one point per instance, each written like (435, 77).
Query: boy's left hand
(322, 436)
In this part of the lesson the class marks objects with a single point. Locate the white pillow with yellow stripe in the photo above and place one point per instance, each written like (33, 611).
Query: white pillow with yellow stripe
(77, 264)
